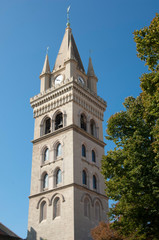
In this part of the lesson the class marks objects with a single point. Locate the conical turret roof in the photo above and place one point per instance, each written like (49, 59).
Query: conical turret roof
(68, 50)
(90, 71)
(46, 67)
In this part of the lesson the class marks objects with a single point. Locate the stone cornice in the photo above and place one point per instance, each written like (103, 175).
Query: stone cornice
(71, 90)
(60, 90)
(67, 186)
(75, 128)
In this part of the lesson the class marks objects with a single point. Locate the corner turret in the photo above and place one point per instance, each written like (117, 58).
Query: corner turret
(45, 76)
(92, 79)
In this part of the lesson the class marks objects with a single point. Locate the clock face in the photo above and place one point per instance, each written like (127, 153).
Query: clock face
(58, 79)
(80, 80)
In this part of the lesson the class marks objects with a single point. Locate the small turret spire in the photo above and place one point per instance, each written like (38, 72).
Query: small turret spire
(46, 67)
(90, 71)
(68, 17)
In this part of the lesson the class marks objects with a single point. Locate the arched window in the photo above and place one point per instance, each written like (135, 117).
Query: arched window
(56, 207)
(93, 156)
(94, 182)
(43, 209)
(86, 208)
(83, 150)
(45, 181)
(46, 155)
(97, 211)
(84, 177)
(58, 177)
(83, 122)
(47, 126)
(58, 150)
(59, 121)
(92, 127)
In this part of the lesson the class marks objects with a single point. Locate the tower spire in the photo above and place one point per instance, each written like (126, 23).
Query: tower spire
(90, 71)
(46, 67)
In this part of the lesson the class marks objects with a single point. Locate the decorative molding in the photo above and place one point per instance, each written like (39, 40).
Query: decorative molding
(67, 186)
(74, 127)
(64, 94)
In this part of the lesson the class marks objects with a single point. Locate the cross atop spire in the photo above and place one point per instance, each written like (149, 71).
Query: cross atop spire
(68, 17)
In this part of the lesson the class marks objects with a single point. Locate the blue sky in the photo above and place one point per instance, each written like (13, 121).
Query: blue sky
(27, 28)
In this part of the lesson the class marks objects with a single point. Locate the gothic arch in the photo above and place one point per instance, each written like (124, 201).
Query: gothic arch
(43, 149)
(96, 199)
(43, 128)
(88, 196)
(57, 195)
(87, 177)
(43, 199)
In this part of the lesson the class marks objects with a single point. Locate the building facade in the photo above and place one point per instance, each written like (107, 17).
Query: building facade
(67, 197)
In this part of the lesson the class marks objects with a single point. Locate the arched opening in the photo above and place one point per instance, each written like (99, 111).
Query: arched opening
(84, 177)
(94, 182)
(83, 150)
(58, 150)
(57, 210)
(59, 121)
(93, 156)
(45, 181)
(92, 127)
(86, 208)
(47, 126)
(43, 209)
(97, 212)
(83, 122)
(46, 155)
(58, 177)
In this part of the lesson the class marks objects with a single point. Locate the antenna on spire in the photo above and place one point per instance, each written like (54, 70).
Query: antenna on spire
(47, 49)
(68, 16)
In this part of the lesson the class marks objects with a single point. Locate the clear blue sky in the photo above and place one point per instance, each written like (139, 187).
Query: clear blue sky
(27, 28)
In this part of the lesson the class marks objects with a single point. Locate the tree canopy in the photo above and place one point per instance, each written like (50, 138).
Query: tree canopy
(131, 170)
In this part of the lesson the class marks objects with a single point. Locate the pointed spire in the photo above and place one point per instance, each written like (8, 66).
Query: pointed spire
(46, 67)
(90, 71)
(68, 50)
(71, 54)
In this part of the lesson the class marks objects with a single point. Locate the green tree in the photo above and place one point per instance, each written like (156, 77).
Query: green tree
(131, 170)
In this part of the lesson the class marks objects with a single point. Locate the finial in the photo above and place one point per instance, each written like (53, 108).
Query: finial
(90, 52)
(47, 49)
(68, 17)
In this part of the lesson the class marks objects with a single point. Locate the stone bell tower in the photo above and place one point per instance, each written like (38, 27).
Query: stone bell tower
(67, 197)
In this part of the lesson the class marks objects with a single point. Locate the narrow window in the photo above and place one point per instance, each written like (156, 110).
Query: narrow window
(83, 122)
(86, 208)
(83, 150)
(84, 177)
(58, 150)
(92, 127)
(58, 121)
(43, 209)
(58, 177)
(97, 211)
(47, 125)
(94, 182)
(45, 181)
(46, 155)
(57, 207)
(93, 156)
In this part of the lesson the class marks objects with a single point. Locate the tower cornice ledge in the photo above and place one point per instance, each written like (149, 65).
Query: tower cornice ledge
(69, 185)
(74, 127)
(51, 91)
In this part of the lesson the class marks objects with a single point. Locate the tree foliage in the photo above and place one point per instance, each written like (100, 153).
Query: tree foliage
(131, 170)
(104, 232)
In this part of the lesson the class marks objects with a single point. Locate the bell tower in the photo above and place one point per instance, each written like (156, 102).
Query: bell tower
(67, 197)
